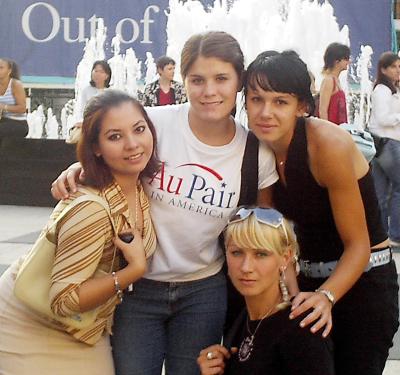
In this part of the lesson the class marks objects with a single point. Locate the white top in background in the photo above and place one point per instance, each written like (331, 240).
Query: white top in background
(385, 113)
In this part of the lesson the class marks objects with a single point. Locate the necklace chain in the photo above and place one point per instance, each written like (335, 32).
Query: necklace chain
(246, 347)
(136, 207)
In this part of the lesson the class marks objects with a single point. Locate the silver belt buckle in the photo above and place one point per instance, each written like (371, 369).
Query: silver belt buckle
(307, 268)
(369, 266)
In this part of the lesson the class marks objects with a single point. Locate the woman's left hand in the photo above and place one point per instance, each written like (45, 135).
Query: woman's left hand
(321, 315)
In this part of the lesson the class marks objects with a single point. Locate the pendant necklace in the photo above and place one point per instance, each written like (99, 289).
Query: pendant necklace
(136, 207)
(280, 163)
(246, 347)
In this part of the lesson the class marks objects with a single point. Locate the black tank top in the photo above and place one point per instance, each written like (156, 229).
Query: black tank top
(307, 204)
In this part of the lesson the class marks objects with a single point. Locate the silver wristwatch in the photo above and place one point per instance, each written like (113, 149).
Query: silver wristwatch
(328, 294)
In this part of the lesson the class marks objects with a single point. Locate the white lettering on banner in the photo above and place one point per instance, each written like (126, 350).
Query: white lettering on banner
(81, 30)
(135, 30)
(26, 22)
(147, 21)
(56, 21)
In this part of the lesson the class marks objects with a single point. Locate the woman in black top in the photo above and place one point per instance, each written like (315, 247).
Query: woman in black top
(326, 188)
(260, 244)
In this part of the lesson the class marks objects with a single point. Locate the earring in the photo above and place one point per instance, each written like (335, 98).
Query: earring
(282, 284)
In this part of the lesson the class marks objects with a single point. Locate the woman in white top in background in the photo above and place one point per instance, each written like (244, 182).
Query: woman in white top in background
(385, 127)
(99, 80)
(12, 101)
(179, 307)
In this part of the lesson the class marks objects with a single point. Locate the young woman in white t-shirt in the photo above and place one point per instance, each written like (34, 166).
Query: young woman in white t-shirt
(385, 127)
(179, 306)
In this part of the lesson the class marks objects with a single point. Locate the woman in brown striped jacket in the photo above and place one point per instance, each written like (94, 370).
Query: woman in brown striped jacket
(116, 148)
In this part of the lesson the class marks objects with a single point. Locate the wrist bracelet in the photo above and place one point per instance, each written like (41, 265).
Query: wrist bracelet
(328, 294)
(117, 287)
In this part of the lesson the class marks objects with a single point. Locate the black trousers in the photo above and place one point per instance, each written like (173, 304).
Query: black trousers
(13, 128)
(364, 321)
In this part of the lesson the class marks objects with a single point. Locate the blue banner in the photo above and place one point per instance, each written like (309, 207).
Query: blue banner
(369, 21)
(47, 38)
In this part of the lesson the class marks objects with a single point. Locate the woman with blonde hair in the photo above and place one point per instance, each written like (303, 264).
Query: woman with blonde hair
(260, 244)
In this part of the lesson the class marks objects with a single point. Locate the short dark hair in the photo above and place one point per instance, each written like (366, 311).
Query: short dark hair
(218, 44)
(335, 52)
(14, 68)
(385, 60)
(164, 61)
(97, 173)
(106, 67)
(280, 72)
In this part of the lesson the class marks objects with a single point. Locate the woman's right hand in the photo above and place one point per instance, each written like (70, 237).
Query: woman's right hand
(211, 360)
(66, 182)
(133, 252)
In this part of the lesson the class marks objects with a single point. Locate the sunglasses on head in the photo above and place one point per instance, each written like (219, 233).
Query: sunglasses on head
(268, 216)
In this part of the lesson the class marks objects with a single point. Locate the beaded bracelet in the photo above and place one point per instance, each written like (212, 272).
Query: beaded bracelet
(117, 287)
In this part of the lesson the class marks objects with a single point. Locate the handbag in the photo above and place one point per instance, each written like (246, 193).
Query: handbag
(33, 280)
(363, 140)
(74, 134)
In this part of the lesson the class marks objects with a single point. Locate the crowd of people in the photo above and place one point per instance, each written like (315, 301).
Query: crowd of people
(305, 266)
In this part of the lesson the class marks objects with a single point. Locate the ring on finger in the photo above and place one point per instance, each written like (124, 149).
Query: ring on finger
(210, 355)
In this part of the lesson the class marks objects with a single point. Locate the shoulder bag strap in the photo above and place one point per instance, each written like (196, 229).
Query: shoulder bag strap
(249, 172)
(77, 201)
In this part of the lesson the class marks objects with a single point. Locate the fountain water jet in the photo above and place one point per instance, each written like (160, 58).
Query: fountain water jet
(303, 25)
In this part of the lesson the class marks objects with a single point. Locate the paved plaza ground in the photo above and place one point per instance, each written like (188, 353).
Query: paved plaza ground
(19, 228)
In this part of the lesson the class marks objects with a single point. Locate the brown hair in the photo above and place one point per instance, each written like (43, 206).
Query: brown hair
(335, 52)
(97, 173)
(385, 60)
(218, 44)
(14, 68)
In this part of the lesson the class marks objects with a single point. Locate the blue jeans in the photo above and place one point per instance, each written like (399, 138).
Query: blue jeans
(171, 322)
(386, 172)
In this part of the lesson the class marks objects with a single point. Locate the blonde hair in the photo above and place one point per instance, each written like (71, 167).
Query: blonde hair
(252, 234)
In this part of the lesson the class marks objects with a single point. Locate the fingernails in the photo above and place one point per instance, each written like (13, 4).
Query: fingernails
(291, 316)
(302, 324)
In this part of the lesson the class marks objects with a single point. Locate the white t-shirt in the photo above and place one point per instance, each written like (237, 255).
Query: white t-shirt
(87, 93)
(194, 194)
(385, 113)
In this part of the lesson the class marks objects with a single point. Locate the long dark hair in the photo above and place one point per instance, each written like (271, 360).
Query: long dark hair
(385, 60)
(280, 72)
(97, 173)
